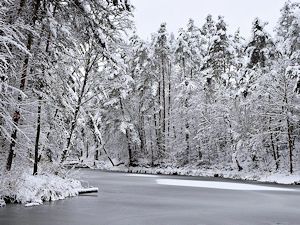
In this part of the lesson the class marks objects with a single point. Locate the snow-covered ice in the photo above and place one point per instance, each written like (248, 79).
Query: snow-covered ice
(32, 204)
(219, 185)
(140, 175)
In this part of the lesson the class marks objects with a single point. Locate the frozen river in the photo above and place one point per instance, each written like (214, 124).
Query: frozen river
(164, 200)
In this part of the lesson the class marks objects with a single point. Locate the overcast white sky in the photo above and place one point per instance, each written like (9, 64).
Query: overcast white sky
(149, 14)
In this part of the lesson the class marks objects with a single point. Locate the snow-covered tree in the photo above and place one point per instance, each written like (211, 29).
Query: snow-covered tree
(161, 59)
(60, 49)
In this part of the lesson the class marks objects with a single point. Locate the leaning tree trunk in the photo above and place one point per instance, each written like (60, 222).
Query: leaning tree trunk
(98, 137)
(88, 68)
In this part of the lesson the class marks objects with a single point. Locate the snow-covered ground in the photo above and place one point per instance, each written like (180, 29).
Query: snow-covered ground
(34, 190)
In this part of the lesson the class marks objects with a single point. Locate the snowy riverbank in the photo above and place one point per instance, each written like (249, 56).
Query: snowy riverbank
(34, 190)
(261, 176)
(279, 178)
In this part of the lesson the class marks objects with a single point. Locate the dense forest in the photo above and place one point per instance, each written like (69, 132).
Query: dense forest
(77, 83)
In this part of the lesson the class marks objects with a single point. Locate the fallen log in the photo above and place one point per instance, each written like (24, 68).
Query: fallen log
(88, 190)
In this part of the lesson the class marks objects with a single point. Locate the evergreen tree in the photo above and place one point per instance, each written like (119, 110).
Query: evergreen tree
(161, 59)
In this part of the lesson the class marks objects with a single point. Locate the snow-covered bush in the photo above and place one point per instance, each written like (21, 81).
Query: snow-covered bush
(25, 188)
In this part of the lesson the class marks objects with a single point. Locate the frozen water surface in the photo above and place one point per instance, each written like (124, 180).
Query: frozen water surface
(125, 199)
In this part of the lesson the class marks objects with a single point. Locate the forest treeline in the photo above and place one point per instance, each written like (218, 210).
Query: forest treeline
(76, 85)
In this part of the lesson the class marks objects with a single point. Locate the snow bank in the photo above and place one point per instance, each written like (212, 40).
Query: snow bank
(34, 190)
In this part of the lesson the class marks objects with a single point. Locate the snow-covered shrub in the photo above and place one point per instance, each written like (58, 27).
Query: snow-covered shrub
(25, 188)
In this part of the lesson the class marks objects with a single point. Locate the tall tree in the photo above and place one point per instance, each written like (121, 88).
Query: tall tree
(161, 58)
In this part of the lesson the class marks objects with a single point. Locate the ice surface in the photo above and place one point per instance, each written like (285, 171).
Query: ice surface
(140, 201)
(219, 185)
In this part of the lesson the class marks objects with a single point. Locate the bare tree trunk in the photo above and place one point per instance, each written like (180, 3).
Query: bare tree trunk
(142, 132)
(151, 144)
(37, 138)
(97, 155)
(16, 119)
(163, 105)
(38, 131)
(17, 114)
(169, 99)
(159, 116)
(157, 130)
(289, 127)
(290, 145)
(129, 147)
(49, 152)
(187, 134)
(87, 149)
(130, 161)
(186, 105)
(273, 145)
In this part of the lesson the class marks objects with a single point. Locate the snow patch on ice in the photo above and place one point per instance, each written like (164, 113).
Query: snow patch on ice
(219, 185)
(33, 204)
(140, 175)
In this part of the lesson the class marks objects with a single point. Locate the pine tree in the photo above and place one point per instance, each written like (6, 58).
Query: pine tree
(219, 58)
(161, 58)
